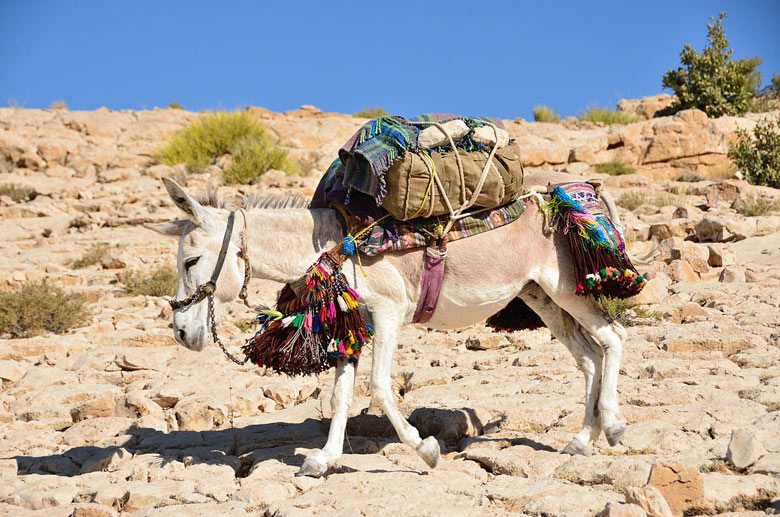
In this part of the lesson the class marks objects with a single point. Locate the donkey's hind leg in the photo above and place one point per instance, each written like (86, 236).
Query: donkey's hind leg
(386, 326)
(587, 356)
(343, 389)
(610, 336)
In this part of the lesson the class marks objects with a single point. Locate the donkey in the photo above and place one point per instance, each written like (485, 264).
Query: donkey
(483, 274)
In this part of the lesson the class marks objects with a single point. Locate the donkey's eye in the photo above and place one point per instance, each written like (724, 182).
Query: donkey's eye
(190, 262)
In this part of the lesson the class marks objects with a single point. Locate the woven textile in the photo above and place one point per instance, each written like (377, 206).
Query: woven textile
(597, 245)
(400, 235)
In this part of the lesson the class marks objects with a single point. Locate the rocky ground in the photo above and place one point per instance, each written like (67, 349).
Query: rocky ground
(115, 418)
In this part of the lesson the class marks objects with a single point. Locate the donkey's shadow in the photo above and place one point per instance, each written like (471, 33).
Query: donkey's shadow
(239, 448)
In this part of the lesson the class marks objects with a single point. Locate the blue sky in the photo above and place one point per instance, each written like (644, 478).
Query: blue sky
(474, 58)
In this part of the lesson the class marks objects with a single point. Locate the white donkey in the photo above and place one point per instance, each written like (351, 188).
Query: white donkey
(483, 274)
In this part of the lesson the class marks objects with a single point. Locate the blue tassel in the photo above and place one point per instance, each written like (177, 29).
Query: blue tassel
(348, 246)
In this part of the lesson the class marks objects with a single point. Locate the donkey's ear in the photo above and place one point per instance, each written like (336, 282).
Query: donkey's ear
(198, 215)
(175, 228)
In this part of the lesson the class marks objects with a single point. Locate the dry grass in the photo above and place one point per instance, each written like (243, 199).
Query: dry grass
(689, 177)
(19, 193)
(92, 256)
(36, 307)
(721, 172)
(59, 104)
(614, 169)
(372, 112)
(546, 114)
(618, 309)
(754, 207)
(243, 324)
(161, 282)
(632, 200)
(607, 116)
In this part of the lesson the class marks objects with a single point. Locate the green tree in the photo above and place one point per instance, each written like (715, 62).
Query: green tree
(712, 81)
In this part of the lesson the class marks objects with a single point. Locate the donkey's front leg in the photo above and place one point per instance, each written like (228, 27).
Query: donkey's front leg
(343, 389)
(387, 325)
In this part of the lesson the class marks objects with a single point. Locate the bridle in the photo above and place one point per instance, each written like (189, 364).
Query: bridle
(206, 291)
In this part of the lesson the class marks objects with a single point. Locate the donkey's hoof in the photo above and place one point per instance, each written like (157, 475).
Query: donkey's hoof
(311, 468)
(614, 433)
(429, 451)
(576, 448)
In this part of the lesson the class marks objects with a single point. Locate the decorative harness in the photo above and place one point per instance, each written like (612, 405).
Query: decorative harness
(207, 290)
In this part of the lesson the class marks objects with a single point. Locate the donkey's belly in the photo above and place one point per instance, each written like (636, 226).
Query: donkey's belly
(462, 306)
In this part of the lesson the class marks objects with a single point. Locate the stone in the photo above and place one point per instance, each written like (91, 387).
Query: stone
(432, 136)
(622, 510)
(256, 492)
(93, 510)
(721, 255)
(743, 449)
(768, 464)
(656, 290)
(680, 486)
(681, 271)
(486, 341)
(732, 274)
(650, 499)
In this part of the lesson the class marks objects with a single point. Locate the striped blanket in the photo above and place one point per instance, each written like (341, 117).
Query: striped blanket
(400, 235)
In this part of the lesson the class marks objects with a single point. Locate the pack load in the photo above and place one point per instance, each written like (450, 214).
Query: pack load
(431, 165)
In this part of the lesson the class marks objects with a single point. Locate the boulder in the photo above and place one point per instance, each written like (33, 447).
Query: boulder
(650, 499)
(743, 449)
(680, 486)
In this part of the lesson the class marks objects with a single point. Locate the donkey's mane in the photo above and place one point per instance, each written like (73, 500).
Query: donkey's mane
(210, 197)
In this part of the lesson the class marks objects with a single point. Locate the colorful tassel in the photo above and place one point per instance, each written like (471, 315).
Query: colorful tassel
(315, 323)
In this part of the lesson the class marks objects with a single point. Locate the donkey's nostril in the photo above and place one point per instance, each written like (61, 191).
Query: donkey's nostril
(182, 334)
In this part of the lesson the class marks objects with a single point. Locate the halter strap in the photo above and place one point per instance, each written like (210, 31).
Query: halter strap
(223, 250)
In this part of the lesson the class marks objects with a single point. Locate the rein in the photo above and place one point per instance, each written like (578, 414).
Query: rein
(207, 290)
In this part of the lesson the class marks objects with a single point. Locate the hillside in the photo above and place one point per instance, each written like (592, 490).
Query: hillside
(114, 417)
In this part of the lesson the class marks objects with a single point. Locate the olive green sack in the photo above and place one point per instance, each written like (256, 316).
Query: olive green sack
(409, 178)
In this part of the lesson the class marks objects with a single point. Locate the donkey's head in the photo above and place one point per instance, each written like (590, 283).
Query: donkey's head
(200, 241)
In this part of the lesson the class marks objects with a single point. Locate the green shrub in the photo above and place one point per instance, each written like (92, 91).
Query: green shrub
(631, 200)
(92, 256)
(758, 157)
(607, 116)
(175, 105)
(614, 169)
(712, 81)
(17, 192)
(689, 177)
(545, 114)
(243, 324)
(619, 309)
(161, 282)
(208, 137)
(372, 112)
(36, 307)
(253, 157)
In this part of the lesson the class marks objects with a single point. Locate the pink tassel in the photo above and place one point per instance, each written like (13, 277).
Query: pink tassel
(353, 294)
(342, 351)
(307, 321)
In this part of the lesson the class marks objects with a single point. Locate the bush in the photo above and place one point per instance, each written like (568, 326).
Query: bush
(758, 157)
(19, 193)
(59, 104)
(757, 207)
(253, 157)
(631, 200)
(614, 169)
(175, 105)
(711, 81)
(689, 177)
(162, 282)
(607, 116)
(545, 114)
(619, 309)
(36, 307)
(92, 256)
(207, 138)
(372, 112)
